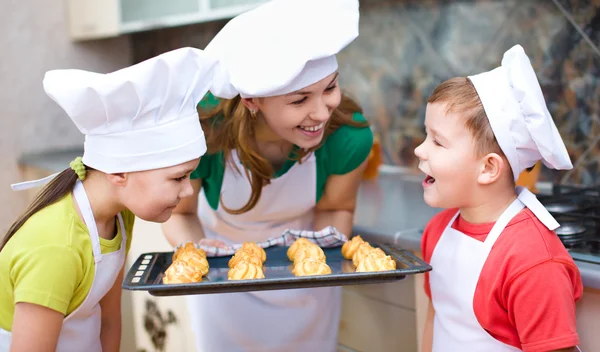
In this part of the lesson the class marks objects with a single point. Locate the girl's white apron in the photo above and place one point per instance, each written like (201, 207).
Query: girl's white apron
(287, 320)
(81, 329)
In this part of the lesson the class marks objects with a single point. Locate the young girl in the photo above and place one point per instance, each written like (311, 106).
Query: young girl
(286, 149)
(61, 262)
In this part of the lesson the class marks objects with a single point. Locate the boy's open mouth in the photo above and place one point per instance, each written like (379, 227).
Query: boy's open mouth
(429, 180)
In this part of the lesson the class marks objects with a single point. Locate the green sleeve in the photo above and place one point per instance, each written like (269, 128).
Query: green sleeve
(208, 102)
(211, 171)
(348, 147)
(47, 276)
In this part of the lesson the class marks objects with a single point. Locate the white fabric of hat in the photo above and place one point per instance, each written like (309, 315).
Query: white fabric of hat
(141, 117)
(282, 46)
(515, 106)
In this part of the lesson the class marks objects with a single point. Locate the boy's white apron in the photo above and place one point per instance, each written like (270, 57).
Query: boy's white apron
(457, 261)
(81, 329)
(287, 320)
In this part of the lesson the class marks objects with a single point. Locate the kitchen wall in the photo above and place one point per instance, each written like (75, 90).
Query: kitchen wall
(406, 48)
(34, 39)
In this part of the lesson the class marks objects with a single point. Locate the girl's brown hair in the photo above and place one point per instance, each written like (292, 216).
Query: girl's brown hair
(54, 191)
(460, 97)
(230, 126)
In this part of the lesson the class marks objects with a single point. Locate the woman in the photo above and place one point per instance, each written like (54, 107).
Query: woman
(284, 124)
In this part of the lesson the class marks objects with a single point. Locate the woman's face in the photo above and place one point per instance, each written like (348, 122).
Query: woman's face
(300, 117)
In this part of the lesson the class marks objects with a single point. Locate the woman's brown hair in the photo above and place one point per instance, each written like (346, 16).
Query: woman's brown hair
(54, 191)
(230, 126)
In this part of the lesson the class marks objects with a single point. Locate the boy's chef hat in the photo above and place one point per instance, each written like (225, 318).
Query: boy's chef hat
(138, 118)
(515, 106)
(282, 46)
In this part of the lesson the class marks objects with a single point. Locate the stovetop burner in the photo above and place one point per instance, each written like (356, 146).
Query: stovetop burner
(577, 210)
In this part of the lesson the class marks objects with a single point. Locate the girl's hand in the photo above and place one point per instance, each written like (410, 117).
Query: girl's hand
(211, 242)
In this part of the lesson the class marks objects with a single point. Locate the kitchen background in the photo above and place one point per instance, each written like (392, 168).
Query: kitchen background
(404, 50)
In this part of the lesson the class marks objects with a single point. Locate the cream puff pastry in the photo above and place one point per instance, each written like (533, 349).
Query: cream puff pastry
(309, 266)
(245, 271)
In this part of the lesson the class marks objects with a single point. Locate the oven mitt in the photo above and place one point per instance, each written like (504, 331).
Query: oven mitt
(326, 238)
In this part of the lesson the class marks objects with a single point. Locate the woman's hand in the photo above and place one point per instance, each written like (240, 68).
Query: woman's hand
(211, 242)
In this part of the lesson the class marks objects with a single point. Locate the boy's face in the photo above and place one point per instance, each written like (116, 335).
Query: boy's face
(447, 157)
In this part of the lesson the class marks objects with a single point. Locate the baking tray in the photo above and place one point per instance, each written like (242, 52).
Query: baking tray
(147, 272)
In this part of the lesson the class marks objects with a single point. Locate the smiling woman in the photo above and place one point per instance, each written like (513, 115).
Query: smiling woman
(286, 150)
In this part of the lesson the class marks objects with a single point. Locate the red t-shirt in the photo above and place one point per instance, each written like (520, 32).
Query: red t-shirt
(526, 293)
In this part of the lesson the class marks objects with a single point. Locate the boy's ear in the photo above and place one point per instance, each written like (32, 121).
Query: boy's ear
(492, 168)
(118, 179)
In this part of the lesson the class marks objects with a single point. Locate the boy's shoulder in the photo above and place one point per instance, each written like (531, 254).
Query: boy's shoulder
(526, 242)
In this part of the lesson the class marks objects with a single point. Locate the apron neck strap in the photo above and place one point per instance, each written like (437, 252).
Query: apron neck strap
(88, 217)
(537, 208)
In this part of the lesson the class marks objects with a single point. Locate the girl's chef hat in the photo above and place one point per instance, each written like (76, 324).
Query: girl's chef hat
(282, 46)
(139, 118)
(515, 106)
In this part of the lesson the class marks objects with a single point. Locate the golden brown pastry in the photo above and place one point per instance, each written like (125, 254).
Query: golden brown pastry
(245, 271)
(363, 249)
(309, 251)
(244, 256)
(300, 242)
(350, 247)
(254, 249)
(187, 248)
(310, 266)
(195, 259)
(374, 261)
(180, 272)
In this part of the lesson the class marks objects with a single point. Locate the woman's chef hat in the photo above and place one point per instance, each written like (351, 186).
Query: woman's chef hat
(515, 106)
(138, 118)
(282, 46)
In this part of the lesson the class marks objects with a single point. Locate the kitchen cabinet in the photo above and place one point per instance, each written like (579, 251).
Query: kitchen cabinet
(90, 19)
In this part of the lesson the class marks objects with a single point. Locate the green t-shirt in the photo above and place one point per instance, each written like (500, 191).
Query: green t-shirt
(343, 151)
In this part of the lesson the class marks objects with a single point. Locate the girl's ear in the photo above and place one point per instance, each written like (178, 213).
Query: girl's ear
(118, 179)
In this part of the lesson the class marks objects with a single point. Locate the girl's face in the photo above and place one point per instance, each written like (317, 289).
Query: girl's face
(152, 195)
(299, 117)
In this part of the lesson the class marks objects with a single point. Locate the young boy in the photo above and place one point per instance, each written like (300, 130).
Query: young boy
(501, 279)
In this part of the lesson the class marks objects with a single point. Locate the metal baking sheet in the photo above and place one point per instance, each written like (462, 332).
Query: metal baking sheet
(147, 272)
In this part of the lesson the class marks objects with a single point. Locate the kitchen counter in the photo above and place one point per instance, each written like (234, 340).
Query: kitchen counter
(390, 209)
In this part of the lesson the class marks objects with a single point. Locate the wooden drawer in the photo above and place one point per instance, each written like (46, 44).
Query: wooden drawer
(372, 325)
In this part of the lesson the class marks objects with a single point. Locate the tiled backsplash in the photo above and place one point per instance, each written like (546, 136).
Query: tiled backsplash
(406, 48)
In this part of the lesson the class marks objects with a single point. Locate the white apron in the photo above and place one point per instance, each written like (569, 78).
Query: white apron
(81, 329)
(265, 321)
(457, 261)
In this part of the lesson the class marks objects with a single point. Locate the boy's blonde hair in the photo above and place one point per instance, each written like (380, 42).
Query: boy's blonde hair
(460, 97)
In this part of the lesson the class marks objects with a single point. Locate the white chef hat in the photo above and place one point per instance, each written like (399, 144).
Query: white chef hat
(138, 118)
(515, 106)
(282, 46)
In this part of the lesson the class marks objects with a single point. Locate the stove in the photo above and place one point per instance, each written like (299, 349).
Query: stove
(577, 210)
